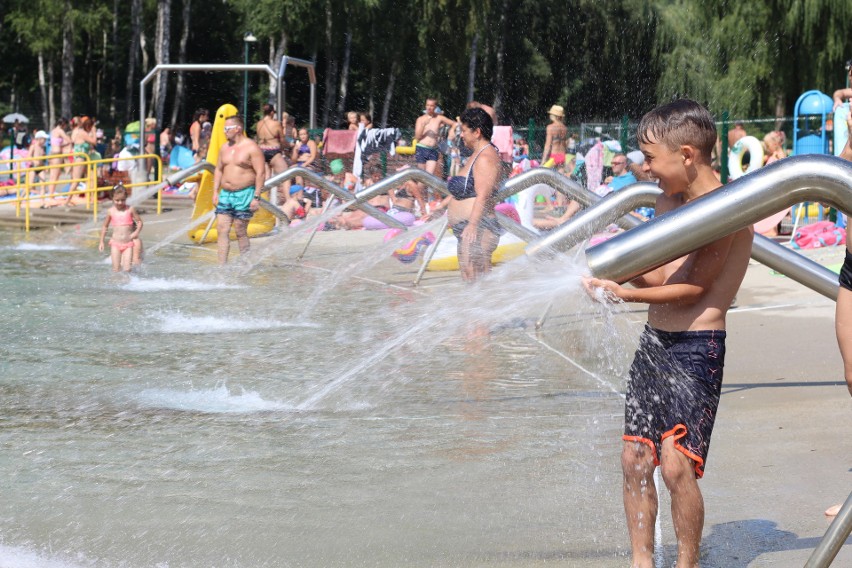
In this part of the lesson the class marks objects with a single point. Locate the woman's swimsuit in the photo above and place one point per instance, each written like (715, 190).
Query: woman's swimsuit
(269, 152)
(56, 143)
(464, 188)
(305, 149)
(82, 148)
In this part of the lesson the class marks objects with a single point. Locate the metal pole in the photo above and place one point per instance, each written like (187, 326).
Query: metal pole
(314, 232)
(837, 533)
(430, 252)
(313, 122)
(245, 85)
(723, 159)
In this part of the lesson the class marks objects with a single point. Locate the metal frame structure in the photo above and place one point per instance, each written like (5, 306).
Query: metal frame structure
(277, 77)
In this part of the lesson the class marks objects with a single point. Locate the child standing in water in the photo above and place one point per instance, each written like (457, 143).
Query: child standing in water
(675, 381)
(125, 245)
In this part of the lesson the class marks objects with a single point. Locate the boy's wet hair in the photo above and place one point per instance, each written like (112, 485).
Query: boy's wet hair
(236, 118)
(475, 118)
(683, 122)
(119, 189)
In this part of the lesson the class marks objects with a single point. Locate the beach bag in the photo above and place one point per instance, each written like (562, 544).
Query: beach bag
(817, 235)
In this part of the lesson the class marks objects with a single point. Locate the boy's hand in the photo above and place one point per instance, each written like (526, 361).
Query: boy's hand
(603, 291)
(101, 246)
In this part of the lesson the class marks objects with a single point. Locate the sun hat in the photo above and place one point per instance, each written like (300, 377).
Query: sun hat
(557, 110)
(336, 166)
(41, 134)
(295, 188)
(636, 157)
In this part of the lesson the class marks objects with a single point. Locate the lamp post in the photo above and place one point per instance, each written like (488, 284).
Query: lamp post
(247, 39)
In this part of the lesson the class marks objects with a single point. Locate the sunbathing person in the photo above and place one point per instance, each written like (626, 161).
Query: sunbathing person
(355, 219)
(551, 222)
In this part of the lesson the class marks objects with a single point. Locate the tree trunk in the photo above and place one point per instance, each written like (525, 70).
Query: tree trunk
(51, 103)
(135, 34)
(143, 45)
(344, 78)
(42, 87)
(374, 64)
(389, 93)
(114, 64)
(275, 62)
(499, 85)
(780, 111)
(67, 62)
(471, 69)
(102, 70)
(161, 57)
(184, 41)
(331, 65)
(12, 100)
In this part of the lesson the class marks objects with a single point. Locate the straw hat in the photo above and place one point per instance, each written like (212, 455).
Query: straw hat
(557, 110)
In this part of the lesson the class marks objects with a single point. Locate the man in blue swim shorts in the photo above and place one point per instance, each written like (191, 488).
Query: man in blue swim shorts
(237, 184)
(426, 154)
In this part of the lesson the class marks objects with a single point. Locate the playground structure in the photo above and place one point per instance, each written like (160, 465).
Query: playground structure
(275, 76)
(810, 120)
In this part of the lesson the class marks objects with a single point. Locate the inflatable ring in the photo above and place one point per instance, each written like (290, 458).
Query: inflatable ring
(748, 144)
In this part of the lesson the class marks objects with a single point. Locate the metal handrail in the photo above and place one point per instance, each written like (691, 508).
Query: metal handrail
(719, 213)
(90, 179)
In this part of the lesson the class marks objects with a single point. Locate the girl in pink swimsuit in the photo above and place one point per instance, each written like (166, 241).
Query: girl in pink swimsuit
(126, 226)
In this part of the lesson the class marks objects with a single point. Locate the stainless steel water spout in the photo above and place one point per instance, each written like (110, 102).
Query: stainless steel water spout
(725, 210)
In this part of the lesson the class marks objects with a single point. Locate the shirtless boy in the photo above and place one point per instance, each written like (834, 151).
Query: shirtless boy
(675, 381)
(237, 184)
(426, 154)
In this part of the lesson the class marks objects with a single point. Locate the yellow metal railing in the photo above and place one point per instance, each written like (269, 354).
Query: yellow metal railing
(24, 180)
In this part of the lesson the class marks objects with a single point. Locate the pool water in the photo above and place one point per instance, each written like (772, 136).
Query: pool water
(284, 415)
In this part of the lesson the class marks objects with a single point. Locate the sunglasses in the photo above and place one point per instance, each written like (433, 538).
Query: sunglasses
(231, 127)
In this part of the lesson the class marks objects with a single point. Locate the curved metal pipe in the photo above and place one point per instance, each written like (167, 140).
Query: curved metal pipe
(270, 207)
(611, 209)
(723, 211)
(398, 178)
(337, 191)
(177, 177)
(795, 266)
(614, 208)
(549, 177)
